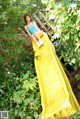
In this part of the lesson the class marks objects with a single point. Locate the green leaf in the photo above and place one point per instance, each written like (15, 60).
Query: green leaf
(29, 117)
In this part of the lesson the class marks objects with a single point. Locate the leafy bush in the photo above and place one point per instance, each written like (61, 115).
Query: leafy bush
(26, 98)
(65, 22)
(19, 89)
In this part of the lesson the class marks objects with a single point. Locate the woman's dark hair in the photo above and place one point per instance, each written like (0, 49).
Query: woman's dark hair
(26, 16)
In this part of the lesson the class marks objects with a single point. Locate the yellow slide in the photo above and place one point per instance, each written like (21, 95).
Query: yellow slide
(57, 96)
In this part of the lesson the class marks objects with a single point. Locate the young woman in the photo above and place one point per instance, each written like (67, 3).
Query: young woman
(33, 30)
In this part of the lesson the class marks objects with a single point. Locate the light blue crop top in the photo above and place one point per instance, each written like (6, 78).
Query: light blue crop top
(33, 28)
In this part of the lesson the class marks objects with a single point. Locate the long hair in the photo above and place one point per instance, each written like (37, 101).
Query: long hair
(26, 16)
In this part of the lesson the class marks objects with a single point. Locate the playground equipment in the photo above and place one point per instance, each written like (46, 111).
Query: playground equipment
(57, 96)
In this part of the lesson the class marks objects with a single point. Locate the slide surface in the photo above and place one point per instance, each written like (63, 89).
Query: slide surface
(57, 96)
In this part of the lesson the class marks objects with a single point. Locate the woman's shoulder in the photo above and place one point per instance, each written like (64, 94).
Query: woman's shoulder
(26, 27)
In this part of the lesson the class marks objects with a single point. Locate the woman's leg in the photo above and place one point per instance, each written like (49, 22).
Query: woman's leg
(38, 38)
(35, 40)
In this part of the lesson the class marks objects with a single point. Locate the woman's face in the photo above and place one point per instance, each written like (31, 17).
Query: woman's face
(28, 18)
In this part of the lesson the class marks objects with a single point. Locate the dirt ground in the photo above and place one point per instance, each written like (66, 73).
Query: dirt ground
(76, 84)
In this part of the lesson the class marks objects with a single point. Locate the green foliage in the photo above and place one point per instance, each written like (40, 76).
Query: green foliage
(26, 97)
(19, 90)
(12, 12)
(77, 77)
(24, 101)
(65, 22)
(75, 116)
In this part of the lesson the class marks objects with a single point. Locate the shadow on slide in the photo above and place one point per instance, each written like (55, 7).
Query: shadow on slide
(57, 96)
